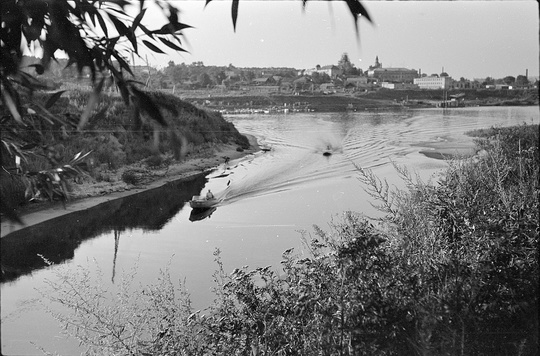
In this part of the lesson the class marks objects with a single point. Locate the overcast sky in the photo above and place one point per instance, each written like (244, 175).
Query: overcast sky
(471, 39)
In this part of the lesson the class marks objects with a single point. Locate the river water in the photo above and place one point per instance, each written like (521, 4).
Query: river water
(267, 200)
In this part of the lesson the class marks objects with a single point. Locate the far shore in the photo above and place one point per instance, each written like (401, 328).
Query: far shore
(89, 195)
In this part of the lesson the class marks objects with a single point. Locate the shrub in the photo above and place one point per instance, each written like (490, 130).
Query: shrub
(154, 161)
(130, 177)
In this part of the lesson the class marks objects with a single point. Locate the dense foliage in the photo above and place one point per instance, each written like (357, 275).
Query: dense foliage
(452, 269)
(116, 137)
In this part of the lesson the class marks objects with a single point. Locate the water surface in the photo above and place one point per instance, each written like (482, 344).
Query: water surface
(267, 199)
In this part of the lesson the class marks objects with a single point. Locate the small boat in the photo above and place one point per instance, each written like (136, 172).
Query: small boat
(328, 151)
(198, 214)
(201, 202)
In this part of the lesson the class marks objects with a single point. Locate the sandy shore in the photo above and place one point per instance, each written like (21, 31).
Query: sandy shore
(449, 150)
(88, 195)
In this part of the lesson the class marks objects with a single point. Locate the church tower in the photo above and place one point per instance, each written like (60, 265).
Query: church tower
(377, 64)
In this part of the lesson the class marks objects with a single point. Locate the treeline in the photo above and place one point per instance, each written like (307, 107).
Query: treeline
(451, 269)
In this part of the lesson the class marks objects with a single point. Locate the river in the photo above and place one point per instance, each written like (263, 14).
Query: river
(268, 199)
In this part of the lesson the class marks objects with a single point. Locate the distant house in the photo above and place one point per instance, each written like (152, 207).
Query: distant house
(332, 71)
(232, 74)
(466, 84)
(398, 86)
(433, 82)
(327, 88)
(357, 80)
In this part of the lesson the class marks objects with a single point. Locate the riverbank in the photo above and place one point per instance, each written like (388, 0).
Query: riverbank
(91, 194)
(373, 100)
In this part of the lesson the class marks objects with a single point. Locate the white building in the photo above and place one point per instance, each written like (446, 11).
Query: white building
(434, 82)
(332, 71)
(398, 86)
(392, 75)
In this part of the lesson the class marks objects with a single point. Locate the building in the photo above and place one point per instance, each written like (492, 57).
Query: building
(398, 86)
(328, 88)
(466, 84)
(433, 82)
(357, 81)
(332, 71)
(392, 75)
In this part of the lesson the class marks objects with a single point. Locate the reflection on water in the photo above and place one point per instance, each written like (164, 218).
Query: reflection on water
(57, 239)
(266, 199)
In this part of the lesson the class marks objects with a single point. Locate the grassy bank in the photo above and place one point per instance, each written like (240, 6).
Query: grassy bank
(120, 139)
(452, 269)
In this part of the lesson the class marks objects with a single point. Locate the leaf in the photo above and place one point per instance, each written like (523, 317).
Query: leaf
(171, 28)
(120, 26)
(123, 91)
(102, 24)
(234, 12)
(171, 45)
(10, 103)
(148, 106)
(46, 115)
(92, 103)
(146, 31)
(122, 62)
(153, 47)
(137, 20)
(54, 97)
(78, 158)
(356, 9)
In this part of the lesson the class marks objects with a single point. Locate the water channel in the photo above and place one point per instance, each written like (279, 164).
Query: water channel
(268, 198)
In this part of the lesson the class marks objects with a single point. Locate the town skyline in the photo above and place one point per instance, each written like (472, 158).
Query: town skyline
(468, 45)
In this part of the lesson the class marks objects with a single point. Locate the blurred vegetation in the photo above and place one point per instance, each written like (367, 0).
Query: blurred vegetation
(450, 269)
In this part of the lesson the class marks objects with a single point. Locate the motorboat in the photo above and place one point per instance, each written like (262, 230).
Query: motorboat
(201, 202)
(328, 151)
(198, 214)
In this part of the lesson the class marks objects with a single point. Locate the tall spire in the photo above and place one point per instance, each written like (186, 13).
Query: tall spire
(377, 64)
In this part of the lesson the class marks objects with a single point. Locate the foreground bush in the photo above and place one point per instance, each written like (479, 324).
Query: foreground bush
(452, 269)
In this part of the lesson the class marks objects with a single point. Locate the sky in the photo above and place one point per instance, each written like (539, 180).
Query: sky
(470, 39)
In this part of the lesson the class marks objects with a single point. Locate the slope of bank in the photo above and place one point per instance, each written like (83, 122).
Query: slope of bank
(128, 149)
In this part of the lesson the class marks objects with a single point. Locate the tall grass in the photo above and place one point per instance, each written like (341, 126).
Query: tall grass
(451, 269)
